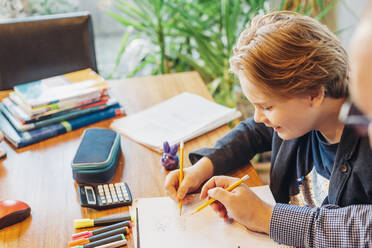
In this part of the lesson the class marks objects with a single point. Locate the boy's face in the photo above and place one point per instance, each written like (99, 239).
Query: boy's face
(290, 118)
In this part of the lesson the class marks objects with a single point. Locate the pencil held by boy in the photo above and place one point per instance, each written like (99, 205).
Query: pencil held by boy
(295, 73)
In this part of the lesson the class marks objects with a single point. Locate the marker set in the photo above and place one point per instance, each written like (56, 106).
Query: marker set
(111, 236)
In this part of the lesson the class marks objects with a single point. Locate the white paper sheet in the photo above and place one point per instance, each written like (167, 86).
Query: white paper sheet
(161, 226)
(179, 118)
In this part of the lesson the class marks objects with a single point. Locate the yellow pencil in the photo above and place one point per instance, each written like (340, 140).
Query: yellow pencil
(231, 187)
(181, 173)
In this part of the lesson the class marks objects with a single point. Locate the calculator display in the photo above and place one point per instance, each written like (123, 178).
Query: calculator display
(90, 195)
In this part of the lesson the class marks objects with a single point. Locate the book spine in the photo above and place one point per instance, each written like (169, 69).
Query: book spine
(58, 107)
(14, 97)
(9, 131)
(16, 111)
(54, 114)
(80, 112)
(71, 115)
(39, 134)
(70, 103)
(84, 93)
(95, 117)
(59, 88)
(14, 121)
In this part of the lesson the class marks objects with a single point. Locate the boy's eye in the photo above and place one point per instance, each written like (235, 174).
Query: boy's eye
(268, 108)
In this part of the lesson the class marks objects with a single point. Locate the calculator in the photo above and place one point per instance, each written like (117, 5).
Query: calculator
(104, 196)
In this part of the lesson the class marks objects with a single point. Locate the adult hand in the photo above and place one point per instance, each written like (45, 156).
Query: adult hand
(241, 203)
(193, 177)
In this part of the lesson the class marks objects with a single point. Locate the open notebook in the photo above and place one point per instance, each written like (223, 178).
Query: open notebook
(159, 225)
(180, 118)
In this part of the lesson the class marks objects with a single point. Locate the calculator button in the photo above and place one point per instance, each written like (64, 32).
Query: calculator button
(111, 186)
(100, 188)
(107, 193)
(112, 190)
(118, 192)
(102, 197)
(106, 188)
(123, 189)
(120, 195)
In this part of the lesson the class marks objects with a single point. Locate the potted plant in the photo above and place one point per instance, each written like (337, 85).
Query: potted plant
(198, 35)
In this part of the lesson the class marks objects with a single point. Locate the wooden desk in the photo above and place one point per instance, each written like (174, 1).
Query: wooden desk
(41, 174)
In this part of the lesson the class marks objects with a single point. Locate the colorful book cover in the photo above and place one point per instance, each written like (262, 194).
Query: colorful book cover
(24, 118)
(56, 107)
(21, 139)
(70, 115)
(55, 89)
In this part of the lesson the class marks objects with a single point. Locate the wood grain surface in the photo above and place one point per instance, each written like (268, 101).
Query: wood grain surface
(41, 175)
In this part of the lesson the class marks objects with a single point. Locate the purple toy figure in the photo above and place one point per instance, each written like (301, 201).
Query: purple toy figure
(170, 158)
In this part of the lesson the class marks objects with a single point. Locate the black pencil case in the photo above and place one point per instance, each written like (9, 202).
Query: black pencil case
(97, 157)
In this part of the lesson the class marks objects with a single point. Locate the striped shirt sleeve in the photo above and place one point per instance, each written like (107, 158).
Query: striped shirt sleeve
(327, 226)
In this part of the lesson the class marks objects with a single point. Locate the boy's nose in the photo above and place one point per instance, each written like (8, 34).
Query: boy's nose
(259, 117)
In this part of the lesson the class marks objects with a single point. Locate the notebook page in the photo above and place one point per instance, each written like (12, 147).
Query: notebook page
(161, 226)
(182, 117)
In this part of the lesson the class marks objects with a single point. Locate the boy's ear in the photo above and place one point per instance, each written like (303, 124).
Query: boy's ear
(317, 100)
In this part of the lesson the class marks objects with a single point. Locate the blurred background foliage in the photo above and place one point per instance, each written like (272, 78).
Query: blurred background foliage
(166, 36)
(197, 35)
(23, 8)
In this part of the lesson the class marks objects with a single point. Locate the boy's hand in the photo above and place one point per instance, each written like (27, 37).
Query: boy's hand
(241, 203)
(193, 177)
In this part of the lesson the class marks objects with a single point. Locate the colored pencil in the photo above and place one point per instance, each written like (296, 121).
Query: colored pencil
(231, 187)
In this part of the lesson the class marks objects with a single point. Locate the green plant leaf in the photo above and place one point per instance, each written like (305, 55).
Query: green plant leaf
(135, 11)
(320, 4)
(339, 31)
(131, 16)
(326, 10)
(126, 22)
(191, 34)
(124, 42)
(148, 60)
(213, 86)
(204, 71)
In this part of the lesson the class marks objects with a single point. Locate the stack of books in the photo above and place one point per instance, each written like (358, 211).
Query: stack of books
(45, 108)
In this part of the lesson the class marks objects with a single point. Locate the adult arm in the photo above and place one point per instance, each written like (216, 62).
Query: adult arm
(327, 226)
